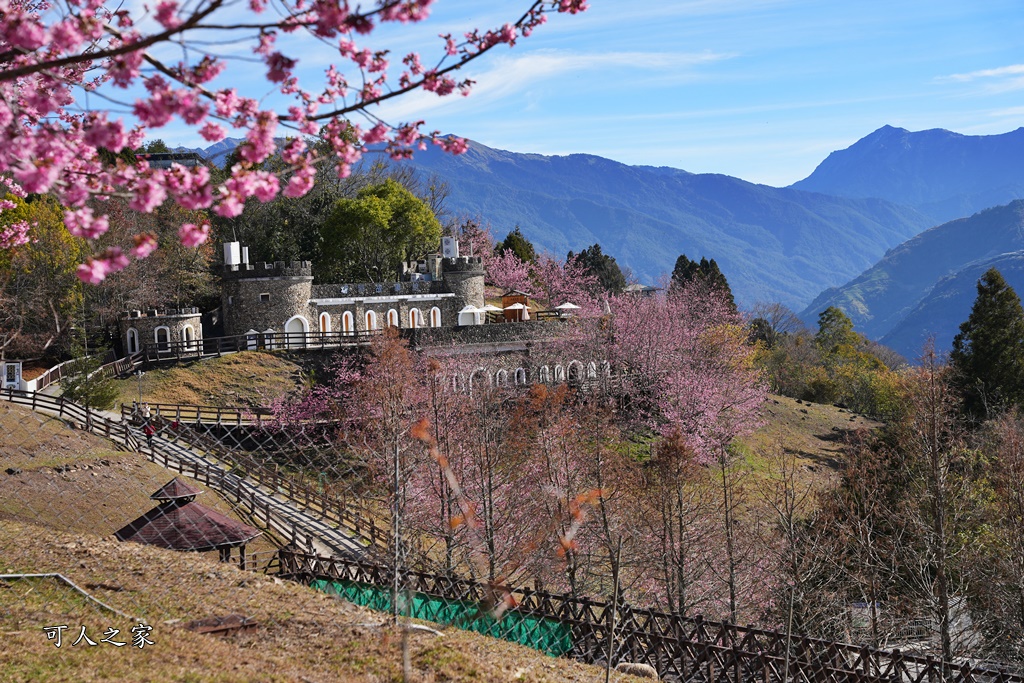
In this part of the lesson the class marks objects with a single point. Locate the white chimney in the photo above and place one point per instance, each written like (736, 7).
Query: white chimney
(231, 253)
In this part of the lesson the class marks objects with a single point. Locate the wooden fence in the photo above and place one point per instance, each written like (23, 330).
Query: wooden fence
(343, 516)
(173, 412)
(270, 476)
(86, 418)
(679, 648)
(153, 352)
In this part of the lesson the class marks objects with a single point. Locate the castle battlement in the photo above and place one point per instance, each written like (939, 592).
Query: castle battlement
(462, 264)
(164, 313)
(263, 269)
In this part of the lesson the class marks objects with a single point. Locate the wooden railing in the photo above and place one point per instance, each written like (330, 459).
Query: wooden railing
(173, 412)
(310, 502)
(88, 419)
(679, 648)
(341, 513)
(154, 352)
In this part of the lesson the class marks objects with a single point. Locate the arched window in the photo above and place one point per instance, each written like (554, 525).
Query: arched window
(296, 330)
(520, 377)
(592, 370)
(575, 371)
(559, 373)
(133, 340)
(415, 318)
(393, 318)
(348, 323)
(545, 374)
(162, 337)
(371, 321)
(501, 378)
(325, 323)
(478, 375)
(188, 335)
(606, 368)
(435, 317)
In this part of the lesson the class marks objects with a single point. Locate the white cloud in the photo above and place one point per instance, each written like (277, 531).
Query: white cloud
(1011, 70)
(514, 77)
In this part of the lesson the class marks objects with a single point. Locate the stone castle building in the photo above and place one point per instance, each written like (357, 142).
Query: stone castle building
(279, 301)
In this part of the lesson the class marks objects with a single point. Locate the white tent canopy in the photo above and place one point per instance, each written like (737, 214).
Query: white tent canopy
(471, 315)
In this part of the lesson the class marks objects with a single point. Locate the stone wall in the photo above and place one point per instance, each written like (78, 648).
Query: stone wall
(146, 324)
(493, 333)
(464, 276)
(266, 296)
(448, 305)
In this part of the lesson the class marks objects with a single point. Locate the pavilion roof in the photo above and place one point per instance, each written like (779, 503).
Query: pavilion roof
(176, 488)
(180, 525)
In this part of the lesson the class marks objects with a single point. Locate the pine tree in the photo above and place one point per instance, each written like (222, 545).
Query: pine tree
(519, 245)
(988, 353)
(705, 272)
(86, 385)
(602, 266)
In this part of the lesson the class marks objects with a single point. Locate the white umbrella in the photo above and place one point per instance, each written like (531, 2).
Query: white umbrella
(491, 308)
(515, 307)
(566, 307)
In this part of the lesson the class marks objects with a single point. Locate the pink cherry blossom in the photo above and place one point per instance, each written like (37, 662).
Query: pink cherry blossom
(193, 235)
(51, 141)
(96, 268)
(82, 223)
(145, 244)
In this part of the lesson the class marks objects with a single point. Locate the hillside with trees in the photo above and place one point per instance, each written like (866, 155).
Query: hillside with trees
(879, 299)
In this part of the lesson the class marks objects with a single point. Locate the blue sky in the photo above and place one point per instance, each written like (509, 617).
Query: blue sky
(758, 89)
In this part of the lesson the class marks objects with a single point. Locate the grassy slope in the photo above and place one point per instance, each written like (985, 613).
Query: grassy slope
(62, 522)
(814, 432)
(247, 379)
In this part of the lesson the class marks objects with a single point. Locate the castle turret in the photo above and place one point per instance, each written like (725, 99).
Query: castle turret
(267, 296)
(464, 277)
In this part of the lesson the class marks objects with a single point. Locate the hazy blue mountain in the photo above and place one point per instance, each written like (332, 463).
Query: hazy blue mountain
(772, 244)
(880, 299)
(940, 313)
(944, 175)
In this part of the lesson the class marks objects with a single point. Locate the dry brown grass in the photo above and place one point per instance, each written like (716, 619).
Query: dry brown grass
(304, 635)
(62, 521)
(815, 433)
(247, 379)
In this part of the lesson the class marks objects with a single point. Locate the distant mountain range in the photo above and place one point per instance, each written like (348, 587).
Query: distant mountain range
(943, 175)
(926, 285)
(772, 244)
(853, 228)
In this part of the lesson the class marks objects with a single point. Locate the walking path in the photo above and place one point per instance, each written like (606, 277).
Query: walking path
(304, 527)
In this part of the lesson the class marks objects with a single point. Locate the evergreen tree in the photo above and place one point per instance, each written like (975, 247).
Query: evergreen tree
(86, 385)
(602, 266)
(705, 272)
(988, 353)
(835, 330)
(517, 243)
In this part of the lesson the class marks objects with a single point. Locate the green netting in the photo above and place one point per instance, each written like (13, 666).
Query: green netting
(547, 635)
